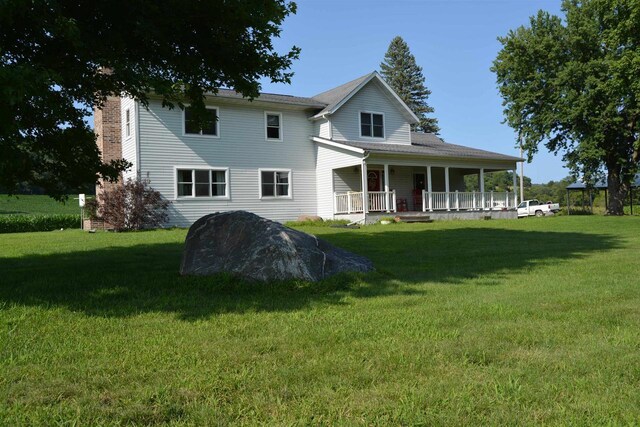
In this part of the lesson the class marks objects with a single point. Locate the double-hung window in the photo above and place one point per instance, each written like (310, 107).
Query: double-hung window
(273, 126)
(208, 128)
(275, 183)
(371, 125)
(202, 183)
(127, 122)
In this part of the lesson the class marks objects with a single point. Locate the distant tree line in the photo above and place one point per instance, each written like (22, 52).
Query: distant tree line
(503, 181)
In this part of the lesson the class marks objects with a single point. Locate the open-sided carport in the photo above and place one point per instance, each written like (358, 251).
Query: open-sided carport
(600, 185)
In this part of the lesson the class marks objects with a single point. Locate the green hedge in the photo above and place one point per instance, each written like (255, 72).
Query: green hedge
(27, 223)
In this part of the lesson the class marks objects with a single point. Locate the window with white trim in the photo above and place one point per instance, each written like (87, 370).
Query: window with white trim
(372, 125)
(208, 128)
(127, 122)
(202, 182)
(274, 183)
(273, 126)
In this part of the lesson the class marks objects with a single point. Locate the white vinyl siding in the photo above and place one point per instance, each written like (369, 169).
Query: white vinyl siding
(372, 98)
(129, 149)
(328, 159)
(323, 128)
(242, 149)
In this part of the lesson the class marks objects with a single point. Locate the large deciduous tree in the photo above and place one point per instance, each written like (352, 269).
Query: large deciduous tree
(573, 83)
(52, 53)
(401, 72)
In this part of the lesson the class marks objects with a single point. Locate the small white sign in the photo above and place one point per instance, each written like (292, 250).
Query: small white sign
(81, 200)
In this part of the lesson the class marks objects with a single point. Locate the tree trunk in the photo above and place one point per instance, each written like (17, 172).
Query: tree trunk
(617, 192)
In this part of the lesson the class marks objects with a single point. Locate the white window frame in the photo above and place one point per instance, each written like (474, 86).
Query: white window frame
(195, 135)
(275, 196)
(384, 125)
(227, 188)
(127, 123)
(281, 127)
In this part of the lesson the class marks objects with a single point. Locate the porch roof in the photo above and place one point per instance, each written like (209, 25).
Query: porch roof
(428, 145)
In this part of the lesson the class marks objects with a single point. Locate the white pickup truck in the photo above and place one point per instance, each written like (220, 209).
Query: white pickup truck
(534, 207)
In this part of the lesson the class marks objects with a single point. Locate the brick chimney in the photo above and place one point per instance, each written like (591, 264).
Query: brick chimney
(109, 134)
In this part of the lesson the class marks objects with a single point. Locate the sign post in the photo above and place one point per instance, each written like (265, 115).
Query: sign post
(81, 202)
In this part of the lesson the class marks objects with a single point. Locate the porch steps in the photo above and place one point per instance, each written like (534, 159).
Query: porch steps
(413, 218)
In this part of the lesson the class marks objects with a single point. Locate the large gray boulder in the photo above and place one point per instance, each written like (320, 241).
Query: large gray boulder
(256, 248)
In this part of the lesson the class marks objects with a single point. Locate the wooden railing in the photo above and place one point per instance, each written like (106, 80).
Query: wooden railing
(458, 200)
(351, 202)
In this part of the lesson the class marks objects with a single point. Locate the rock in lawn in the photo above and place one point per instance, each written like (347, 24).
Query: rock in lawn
(259, 249)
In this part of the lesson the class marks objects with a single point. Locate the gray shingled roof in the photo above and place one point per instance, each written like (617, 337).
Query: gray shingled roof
(333, 96)
(272, 97)
(429, 145)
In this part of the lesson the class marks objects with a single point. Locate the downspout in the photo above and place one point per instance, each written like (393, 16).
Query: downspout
(137, 125)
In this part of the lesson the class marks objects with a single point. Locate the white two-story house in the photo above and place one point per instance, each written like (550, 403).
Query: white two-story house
(345, 153)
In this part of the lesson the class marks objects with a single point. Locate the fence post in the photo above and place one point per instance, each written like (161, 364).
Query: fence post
(393, 198)
(348, 202)
(491, 207)
(474, 200)
(457, 201)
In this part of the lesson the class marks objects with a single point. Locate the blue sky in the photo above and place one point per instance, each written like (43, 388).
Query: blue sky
(453, 41)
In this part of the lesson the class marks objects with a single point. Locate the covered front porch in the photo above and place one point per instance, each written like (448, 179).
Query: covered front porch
(357, 180)
(389, 187)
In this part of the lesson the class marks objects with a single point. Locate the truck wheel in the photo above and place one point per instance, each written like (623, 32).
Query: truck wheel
(539, 214)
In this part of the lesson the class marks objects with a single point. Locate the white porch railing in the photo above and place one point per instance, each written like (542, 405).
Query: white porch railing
(457, 200)
(351, 202)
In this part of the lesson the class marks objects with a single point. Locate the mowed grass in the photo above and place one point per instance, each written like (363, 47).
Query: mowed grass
(535, 321)
(29, 204)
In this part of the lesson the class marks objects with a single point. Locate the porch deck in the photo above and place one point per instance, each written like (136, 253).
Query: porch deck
(374, 217)
(386, 201)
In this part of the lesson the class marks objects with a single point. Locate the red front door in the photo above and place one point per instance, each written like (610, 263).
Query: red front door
(373, 180)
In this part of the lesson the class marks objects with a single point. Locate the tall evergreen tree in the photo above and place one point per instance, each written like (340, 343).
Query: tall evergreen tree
(401, 72)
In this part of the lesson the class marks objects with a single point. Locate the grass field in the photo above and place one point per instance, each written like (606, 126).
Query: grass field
(36, 204)
(535, 321)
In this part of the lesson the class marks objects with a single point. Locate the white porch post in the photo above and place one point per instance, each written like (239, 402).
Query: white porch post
(446, 186)
(482, 188)
(386, 187)
(365, 190)
(515, 186)
(429, 188)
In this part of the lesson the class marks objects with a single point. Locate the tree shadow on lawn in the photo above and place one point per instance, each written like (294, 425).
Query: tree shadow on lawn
(124, 281)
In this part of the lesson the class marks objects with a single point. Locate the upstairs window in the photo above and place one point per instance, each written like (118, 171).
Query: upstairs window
(372, 125)
(273, 123)
(275, 183)
(127, 122)
(202, 182)
(208, 128)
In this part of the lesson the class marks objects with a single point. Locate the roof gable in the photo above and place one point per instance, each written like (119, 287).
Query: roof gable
(337, 97)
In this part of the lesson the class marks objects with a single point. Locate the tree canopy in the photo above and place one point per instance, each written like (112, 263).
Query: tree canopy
(401, 72)
(573, 84)
(52, 53)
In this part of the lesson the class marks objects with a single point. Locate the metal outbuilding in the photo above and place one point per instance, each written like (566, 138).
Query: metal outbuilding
(600, 185)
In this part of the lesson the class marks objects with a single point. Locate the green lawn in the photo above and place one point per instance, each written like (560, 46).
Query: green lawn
(535, 321)
(36, 204)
